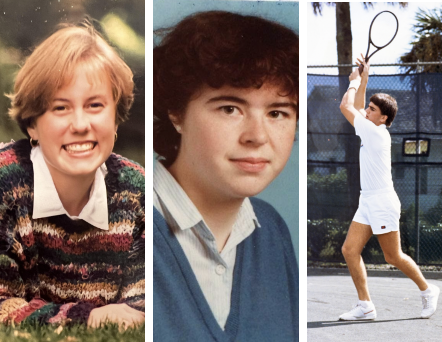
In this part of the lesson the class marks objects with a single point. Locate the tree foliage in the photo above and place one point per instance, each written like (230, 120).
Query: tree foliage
(427, 46)
(317, 6)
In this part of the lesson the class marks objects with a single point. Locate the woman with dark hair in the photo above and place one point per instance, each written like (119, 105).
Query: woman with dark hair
(225, 114)
(71, 211)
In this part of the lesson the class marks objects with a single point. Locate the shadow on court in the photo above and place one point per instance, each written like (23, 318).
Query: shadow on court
(398, 305)
(325, 324)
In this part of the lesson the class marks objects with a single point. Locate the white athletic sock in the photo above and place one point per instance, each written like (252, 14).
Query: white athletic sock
(427, 291)
(366, 303)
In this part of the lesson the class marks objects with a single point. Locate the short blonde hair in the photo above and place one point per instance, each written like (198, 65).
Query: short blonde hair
(52, 65)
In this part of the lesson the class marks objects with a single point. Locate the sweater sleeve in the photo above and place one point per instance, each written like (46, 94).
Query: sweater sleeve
(19, 290)
(19, 285)
(132, 290)
(18, 255)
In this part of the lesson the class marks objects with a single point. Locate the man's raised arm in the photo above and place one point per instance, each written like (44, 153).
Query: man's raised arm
(360, 93)
(353, 102)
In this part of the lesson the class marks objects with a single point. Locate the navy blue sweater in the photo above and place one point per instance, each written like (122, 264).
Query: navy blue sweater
(264, 301)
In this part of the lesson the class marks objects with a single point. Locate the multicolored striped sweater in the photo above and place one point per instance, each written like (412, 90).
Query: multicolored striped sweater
(56, 270)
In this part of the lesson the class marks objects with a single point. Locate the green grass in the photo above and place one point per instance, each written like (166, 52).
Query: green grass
(78, 333)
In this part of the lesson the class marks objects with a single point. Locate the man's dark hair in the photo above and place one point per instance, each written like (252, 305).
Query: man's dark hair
(217, 49)
(387, 104)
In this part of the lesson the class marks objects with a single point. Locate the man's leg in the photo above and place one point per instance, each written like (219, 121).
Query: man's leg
(357, 237)
(391, 246)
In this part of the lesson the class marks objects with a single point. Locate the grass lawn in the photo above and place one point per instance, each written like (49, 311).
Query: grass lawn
(79, 333)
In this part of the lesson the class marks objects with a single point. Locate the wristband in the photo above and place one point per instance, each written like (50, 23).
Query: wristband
(354, 84)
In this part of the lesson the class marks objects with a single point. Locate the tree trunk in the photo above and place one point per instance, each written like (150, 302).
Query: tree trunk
(352, 143)
(343, 36)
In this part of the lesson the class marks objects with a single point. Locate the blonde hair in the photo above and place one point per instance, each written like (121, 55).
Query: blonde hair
(52, 65)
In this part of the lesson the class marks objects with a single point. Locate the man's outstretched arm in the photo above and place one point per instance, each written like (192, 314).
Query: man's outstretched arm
(347, 106)
(360, 93)
(353, 102)
(348, 101)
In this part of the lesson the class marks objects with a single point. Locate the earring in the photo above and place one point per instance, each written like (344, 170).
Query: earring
(116, 136)
(178, 128)
(34, 143)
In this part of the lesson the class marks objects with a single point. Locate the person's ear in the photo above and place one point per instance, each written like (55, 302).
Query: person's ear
(176, 121)
(384, 119)
(32, 132)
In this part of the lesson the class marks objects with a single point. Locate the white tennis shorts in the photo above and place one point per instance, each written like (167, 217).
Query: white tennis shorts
(380, 209)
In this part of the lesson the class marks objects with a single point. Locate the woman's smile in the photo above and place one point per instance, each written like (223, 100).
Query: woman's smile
(77, 148)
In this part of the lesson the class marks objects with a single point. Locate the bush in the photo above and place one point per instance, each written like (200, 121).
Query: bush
(325, 238)
(333, 183)
(328, 196)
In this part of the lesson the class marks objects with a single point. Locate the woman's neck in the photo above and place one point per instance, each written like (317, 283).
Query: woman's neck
(218, 212)
(73, 191)
(219, 215)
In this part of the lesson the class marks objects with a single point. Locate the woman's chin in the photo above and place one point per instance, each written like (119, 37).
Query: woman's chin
(80, 168)
(82, 163)
(247, 191)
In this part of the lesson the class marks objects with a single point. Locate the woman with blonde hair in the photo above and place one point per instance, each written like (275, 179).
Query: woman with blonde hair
(71, 211)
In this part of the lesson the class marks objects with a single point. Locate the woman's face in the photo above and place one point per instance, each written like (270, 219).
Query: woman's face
(234, 142)
(77, 132)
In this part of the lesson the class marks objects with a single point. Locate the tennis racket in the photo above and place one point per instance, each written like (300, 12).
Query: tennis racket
(381, 37)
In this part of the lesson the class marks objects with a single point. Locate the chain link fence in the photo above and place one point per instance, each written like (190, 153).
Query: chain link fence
(333, 166)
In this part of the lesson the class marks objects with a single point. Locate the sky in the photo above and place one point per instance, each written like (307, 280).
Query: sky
(321, 32)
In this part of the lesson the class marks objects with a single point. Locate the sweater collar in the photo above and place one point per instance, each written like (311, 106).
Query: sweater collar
(47, 202)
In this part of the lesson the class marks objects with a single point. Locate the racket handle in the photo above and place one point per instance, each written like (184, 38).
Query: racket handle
(361, 67)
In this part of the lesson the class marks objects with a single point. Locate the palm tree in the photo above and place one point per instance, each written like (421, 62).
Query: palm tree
(427, 46)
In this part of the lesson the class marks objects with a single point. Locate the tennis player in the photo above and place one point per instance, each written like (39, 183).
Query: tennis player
(379, 207)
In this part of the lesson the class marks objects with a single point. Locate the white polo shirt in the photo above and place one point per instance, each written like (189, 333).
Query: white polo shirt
(374, 155)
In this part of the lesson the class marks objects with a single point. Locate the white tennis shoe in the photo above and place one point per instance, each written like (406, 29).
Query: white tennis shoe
(429, 301)
(359, 313)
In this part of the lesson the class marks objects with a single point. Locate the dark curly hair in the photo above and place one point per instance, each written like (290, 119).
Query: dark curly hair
(217, 48)
(387, 104)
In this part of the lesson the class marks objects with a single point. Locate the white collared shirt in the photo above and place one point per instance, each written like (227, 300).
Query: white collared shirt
(47, 202)
(213, 269)
(374, 155)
